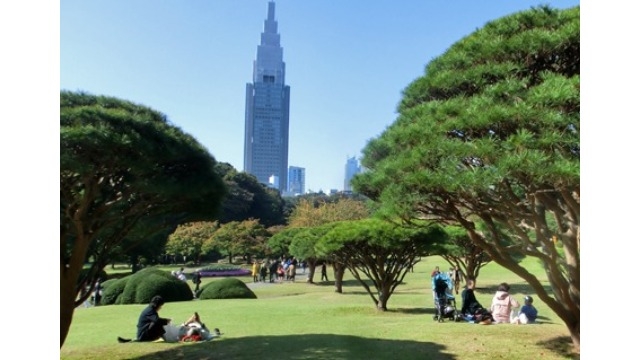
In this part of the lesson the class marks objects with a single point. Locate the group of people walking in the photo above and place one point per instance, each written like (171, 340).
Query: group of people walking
(281, 270)
(277, 271)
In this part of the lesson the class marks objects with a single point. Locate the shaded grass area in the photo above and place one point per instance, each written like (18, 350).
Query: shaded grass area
(307, 346)
(311, 321)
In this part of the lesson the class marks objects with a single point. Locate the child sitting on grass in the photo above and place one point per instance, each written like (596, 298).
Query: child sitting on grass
(528, 313)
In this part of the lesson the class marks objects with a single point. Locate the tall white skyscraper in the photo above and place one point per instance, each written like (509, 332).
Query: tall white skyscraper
(266, 134)
(350, 170)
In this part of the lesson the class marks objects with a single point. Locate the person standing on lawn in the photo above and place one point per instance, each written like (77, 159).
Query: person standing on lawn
(254, 270)
(197, 279)
(324, 272)
(273, 271)
(457, 278)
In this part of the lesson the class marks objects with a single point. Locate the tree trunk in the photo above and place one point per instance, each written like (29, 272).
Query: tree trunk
(565, 300)
(383, 297)
(70, 268)
(338, 273)
(311, 265)
(472, 271)
(67, 300)
(575, 335)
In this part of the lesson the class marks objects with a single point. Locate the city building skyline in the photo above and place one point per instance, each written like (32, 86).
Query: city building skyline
(274, 182)
(201, 64)
(266, 139)
(296, 181)
(351, 168)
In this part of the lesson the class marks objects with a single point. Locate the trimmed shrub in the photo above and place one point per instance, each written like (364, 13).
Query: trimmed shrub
(111, 290)
(228, 288)
(140, 287)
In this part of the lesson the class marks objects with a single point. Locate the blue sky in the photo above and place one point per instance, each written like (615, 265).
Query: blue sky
(347, 63)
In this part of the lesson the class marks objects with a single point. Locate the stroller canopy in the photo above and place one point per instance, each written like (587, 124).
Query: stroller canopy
(441, 283)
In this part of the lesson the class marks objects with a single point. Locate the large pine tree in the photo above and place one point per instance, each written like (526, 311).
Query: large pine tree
(489, 136)
(127, 174)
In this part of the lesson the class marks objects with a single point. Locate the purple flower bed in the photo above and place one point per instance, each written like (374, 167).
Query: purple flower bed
(236, 272)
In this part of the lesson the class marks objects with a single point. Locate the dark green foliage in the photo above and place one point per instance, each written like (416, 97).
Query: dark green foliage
(488, 139)
(127, 175)
(247, 198)
(87, 276)
(124, 161)
(140, 287)
(460, 251)
(112, 289)
(228, 288)
(378, 252)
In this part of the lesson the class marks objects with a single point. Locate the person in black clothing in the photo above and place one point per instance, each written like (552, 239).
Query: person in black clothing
(197, 279)
(150, 324)
(324, 272)
(273, 268)
(471, 309)
(263, 271)
(469, 301)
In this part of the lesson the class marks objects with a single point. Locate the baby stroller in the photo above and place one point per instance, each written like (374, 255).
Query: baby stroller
(444, 301)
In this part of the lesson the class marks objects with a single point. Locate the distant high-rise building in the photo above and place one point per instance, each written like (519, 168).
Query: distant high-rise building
(296, 180)
(274, 182)
(350, 170)
(266, 134)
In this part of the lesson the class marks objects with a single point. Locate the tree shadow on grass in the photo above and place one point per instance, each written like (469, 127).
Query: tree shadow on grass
(561, 345)
(416, 311)
(345, 283)
(298, 347)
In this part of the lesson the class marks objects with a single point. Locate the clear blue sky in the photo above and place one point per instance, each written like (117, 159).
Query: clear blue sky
(347, 63)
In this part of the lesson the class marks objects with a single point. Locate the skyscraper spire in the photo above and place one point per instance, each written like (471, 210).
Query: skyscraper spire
(271, 14)
(266, 138)
(269, 56)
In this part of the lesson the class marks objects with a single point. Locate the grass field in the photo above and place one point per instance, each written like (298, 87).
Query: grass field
(310, 321)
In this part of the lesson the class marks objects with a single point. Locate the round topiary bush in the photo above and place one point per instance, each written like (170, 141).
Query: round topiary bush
(140, 287)
(111, 290)
(228, 288)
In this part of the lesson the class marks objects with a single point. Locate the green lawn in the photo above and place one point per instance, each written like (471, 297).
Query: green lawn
(304, 321)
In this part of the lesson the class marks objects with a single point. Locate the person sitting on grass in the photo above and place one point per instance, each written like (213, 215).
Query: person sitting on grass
(502, 305)
(471, 309)
(150, 324)
(152, 327)
(528, 312)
